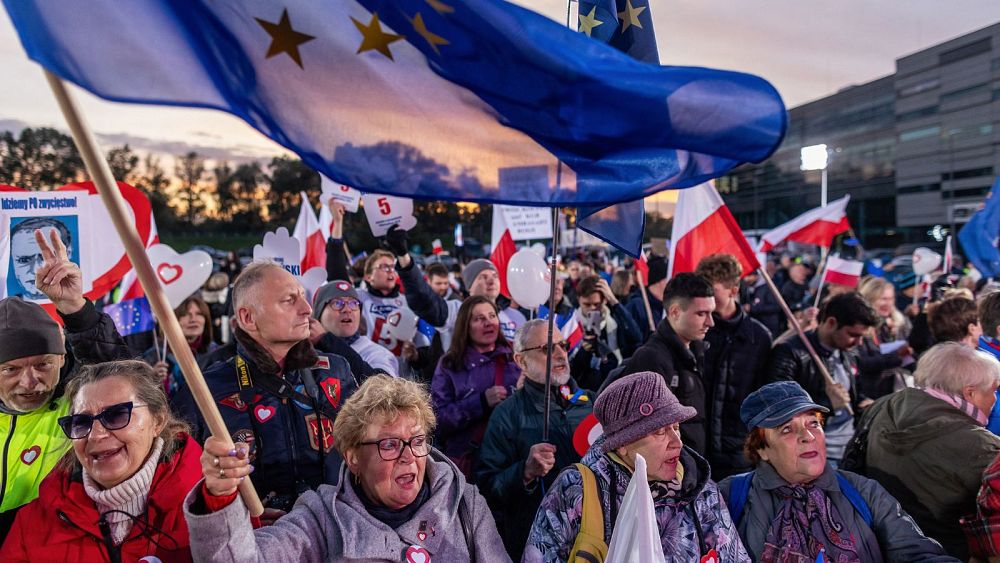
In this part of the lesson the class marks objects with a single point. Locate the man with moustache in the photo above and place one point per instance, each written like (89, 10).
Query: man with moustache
(515, 465)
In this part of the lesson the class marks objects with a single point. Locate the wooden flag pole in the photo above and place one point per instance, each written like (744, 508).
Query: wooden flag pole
(100, 172)
(824, 265)
(645, 300)
(805, 340)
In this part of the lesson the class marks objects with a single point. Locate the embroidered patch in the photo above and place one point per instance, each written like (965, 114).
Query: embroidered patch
(234, 402)
(247, 436)
(29, 455)
(302, 389)
(331, 388)
(263, 413)
(322, 362)
(311, 422)
(343, 286)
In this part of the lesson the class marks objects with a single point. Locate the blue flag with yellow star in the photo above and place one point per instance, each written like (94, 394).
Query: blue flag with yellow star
(456, 100)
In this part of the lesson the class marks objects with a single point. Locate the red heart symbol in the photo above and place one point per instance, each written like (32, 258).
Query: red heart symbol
(263, 413)
(417, 554)
(344, 188)
(421, 536)
(29, 455)
(169, 273)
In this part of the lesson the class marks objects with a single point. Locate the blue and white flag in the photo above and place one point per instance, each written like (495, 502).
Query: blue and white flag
(980, 236)
(459, 100)
(131, 316)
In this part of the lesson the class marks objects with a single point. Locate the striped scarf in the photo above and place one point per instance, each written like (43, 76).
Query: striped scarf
(961, 404)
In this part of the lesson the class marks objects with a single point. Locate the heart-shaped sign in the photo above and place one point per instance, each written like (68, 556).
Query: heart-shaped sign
(263, 413)
(417, 554)
(180, 274)
(711, 557)
(402, 324)
(29, 455)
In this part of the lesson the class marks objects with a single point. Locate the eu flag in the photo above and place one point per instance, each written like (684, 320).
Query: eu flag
(979, 237)
(427, 99)
(132, 316)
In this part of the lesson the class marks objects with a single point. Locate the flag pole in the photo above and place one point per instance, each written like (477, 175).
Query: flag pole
(100, 172)
(645, 300)
(802, 336)
(822, 280)
(552, 320)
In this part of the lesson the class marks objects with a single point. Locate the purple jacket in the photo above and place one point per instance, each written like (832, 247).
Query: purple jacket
(459, 398)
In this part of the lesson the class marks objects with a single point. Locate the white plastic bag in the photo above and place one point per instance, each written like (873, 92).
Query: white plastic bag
(636, 537)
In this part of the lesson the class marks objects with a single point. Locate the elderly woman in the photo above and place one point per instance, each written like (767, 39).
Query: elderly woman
(196, 325)
(640, 416)
(117, 496)
(881, 374)
(795, 507)
(929, 445)
(473, 377)
(397, 499)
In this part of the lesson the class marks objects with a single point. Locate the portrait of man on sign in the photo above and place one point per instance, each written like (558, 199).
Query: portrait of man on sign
(25, 256)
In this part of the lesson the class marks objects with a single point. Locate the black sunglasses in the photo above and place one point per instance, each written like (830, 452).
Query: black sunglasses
(115, 417)
(548, 350)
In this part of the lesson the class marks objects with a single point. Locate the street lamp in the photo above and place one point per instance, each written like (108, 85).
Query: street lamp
(815, 157)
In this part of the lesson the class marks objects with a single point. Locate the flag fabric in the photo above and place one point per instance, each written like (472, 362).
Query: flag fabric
(359, 257)
(980, 235)
(636, 535)
(874, 268)
(642, 268)
(817, 226)
(312, 242)
(503, 250)
(948, 257)
(703, 226)
(436, 247)
(426, 328)
(843, 272)
(326, 221)
(132, 316)
(430, 100)
(568, 326)
(459, 240)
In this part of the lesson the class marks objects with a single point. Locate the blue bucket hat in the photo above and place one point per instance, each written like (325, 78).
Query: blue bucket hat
(775, 404)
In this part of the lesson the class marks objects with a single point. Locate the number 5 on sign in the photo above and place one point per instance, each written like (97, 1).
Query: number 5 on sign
(384, 211)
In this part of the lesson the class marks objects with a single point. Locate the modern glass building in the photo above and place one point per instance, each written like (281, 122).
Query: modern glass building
(915, 150)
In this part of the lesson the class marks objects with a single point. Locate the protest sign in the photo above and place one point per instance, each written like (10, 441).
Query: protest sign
(384, 211)
(180, 274)
(283, 249)
(346, 195)
(524, 223)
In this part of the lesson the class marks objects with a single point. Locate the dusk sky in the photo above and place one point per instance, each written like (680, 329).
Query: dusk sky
(807, 49)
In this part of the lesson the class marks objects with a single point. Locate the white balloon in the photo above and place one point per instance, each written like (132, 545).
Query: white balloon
(528, 279)
(539, 249)
(180, 275)
(925, 261)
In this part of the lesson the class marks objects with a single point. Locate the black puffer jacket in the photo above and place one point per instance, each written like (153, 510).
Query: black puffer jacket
(682, 368)
(735, 363)
(790, 361)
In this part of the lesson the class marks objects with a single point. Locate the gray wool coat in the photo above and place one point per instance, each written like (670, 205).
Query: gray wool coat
(331, 524)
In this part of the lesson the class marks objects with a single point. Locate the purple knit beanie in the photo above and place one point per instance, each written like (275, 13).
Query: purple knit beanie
(637, 405)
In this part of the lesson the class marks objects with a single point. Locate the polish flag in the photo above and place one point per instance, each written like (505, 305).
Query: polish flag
(642, 268)
(843, 272)
(816, 226)
(130, 286)
(312, 242)
(436, 247)
(948, 257)
(502, 252)
(703, 226)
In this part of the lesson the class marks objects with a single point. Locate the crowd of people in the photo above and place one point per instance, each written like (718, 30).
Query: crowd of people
(366, 446)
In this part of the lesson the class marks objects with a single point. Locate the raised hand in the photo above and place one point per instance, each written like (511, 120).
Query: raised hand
(58, 278)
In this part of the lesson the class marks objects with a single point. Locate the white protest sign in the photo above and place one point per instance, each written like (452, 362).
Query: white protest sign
(524, 223)
(346, 195)
(283, 249)
(384, 211)
(180, 274)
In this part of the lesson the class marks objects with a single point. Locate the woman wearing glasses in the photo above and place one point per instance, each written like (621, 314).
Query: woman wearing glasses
(338, 308)
(397, 499)
(117, 496)
(474, 376)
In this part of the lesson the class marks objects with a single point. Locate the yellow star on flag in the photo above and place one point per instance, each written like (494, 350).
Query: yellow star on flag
(284, 39)
(589, 22)
(630, 16)
(421, 28)
(440, 7)
(374, 38)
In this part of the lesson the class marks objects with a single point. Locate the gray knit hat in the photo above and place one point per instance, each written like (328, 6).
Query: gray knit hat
(637, 405)
(27, 330)
(330, 291)
(473, 269)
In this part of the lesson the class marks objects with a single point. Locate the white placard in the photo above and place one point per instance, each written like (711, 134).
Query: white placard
(346, 195)
(384, 211)
(524, 223)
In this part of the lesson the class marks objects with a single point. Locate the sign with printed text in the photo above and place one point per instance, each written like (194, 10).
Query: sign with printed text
(346, 195)
(384, 211)
(526, 223)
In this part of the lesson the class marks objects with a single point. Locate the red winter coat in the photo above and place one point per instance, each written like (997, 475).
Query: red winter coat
(61, 525)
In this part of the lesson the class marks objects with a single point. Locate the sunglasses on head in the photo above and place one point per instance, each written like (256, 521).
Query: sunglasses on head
(115, 417)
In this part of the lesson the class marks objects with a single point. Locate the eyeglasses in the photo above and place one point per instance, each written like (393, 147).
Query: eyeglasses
(548, 350)
(391, 449)
(384, 267)
(340, 304)
(115, 417)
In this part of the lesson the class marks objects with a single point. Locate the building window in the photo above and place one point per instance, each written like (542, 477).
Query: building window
(922, 188)
(969, 173)
(922, 133)
(917, 113)
(967, 192)
(965, 51)
(919, 87)
(950, 96)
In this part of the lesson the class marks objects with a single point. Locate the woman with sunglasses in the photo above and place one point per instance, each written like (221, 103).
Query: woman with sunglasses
(338, 308)
(397, 499)
(472, 378)
(117, 496)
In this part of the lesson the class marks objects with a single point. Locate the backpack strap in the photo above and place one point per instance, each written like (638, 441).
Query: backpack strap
(466, 519)
(739, 488)
(855, 498)
(589, 545)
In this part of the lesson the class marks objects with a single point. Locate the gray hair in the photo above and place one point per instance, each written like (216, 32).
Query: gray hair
(244, 288)
(521, 336)
(950, 367)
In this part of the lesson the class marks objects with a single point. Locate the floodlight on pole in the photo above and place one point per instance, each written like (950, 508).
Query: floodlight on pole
(816, 157)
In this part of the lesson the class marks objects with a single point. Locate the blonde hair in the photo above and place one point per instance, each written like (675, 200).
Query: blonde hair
(376, 255)
(871, 289)
(379, 400)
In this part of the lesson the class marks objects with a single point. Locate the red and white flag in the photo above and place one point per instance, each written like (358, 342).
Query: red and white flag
(503, 250)
(948, 258)
(312, 241)
(817, 226)
(436, 247)
(642, 268)
(703, 226)
(843, 272)
(130, 286)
